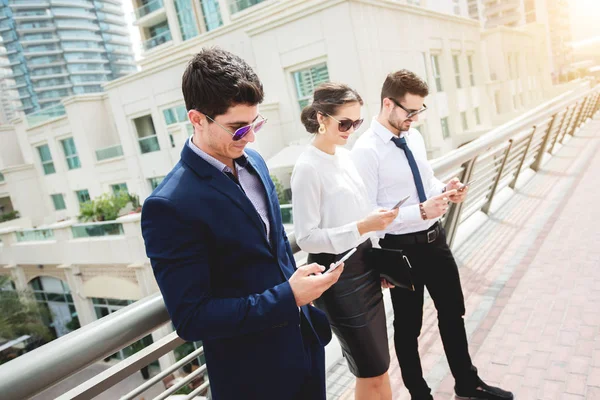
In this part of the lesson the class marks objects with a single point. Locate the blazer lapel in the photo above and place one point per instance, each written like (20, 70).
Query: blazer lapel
(263, 175)
(221, 183)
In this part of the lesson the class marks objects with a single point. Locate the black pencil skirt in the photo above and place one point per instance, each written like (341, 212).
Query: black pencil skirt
(354, 306)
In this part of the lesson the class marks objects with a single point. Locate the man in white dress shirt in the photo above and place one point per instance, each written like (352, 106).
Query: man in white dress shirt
(392, 160)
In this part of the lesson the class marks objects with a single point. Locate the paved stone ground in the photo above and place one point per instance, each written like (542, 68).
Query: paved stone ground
(531, 279)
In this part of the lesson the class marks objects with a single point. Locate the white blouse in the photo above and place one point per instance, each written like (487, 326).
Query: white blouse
(328, 199)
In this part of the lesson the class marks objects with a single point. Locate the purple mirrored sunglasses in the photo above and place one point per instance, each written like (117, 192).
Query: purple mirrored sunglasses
(244, 130)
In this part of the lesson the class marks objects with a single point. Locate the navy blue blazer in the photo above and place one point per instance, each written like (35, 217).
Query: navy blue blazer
(225, 283)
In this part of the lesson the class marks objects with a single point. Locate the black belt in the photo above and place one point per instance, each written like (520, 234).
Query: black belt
(423, 237)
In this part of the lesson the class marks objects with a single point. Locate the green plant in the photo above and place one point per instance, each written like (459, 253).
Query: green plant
(105, 207)
(9, 216)
(20, 314)
(279, 190)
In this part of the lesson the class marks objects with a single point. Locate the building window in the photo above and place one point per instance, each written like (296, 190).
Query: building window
(240, 5)
(68, 146)
(54, 296)
(146, 134)
(465, 123)
(445, 128)
(414, 2)
(456, 7)
(46, 158)
(59, 202)
(471, 73)
(83, 196)
(477, 117)
(435, 65)
(190, 129)
(119, 188)
(306, 80)
(185, 15)
(1, 177)
(154, 182)
(212, 14)
(174, 115)
(456, 63)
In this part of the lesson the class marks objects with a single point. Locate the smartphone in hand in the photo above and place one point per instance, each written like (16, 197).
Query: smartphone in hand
(401, 202)
(463, 187)
(343, 259)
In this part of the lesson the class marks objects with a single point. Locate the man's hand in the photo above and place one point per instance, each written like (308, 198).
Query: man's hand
(437, 206)
(386, 285)
(308, 282)
(461, 190)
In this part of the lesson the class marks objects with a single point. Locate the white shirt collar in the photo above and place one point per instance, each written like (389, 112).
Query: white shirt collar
(384, 133)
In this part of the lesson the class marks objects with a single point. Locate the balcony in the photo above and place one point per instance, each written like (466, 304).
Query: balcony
(34, 235)
(108, 153)
(73, 3)
(97, 229)
(45, 114)
(42, 52)
(148, 8)
(24, 4)
(156, 41)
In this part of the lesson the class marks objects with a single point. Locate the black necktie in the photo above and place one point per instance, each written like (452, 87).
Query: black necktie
(401, 143)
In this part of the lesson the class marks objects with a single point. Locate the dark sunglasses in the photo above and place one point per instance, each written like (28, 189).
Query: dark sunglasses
(409, 113)
(347, 123)
(244, 130)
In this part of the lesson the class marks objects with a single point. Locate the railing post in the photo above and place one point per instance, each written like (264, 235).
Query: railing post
(564, 123)
(514, 181)
(540, 155)
(453, 215)
(581, 115)
(486, 206)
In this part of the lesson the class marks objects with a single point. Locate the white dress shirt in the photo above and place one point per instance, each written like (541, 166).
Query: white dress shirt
(388, 177)
(329, 198)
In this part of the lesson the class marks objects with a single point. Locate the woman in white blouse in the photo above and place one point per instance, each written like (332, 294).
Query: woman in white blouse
(332, 215)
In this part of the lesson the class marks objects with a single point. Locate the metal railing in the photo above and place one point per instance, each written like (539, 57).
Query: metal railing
(496, 159)
(97, 229)
(34, 235)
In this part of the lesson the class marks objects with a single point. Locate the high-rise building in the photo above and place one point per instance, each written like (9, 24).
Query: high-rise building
(552, 14)
(59, 48)
(7, 97)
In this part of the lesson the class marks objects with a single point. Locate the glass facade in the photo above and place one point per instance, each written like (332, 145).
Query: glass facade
(46, 158)
(59, 202)
(154, 182)
(306, 80)
(445, 127)
(55, 297)
(76, 25)
(146, 134)
(185, 15)
(241, 5)
(435, 66)
(70, 150)
(83, 196)
(118, 188)
(174, 115)
(212, 14)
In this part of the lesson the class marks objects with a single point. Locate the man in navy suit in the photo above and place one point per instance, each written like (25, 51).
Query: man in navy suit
(221, 258)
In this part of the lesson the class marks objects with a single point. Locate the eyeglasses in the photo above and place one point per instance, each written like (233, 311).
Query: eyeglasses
(347, 123)
(409, 113)
(244, 130)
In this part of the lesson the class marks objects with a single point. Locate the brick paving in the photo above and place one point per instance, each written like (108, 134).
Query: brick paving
(531, 279)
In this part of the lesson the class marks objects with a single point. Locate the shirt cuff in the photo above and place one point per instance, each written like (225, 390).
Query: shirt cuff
(410, 213)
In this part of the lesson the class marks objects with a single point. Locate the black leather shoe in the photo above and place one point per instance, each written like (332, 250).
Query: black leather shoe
(483, 391)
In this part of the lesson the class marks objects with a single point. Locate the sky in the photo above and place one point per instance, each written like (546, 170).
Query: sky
(585, 18)
(134, 32)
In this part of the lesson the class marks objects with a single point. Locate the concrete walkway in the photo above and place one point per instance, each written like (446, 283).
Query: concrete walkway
(531, 279)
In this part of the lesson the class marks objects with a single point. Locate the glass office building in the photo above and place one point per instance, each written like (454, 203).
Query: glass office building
(59, 48)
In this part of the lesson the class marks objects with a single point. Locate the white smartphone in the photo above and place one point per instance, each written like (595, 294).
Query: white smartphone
(401, 202)
(343, 259)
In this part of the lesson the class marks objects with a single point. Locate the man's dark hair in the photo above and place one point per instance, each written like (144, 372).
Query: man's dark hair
(398, 83)
(216, 79)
